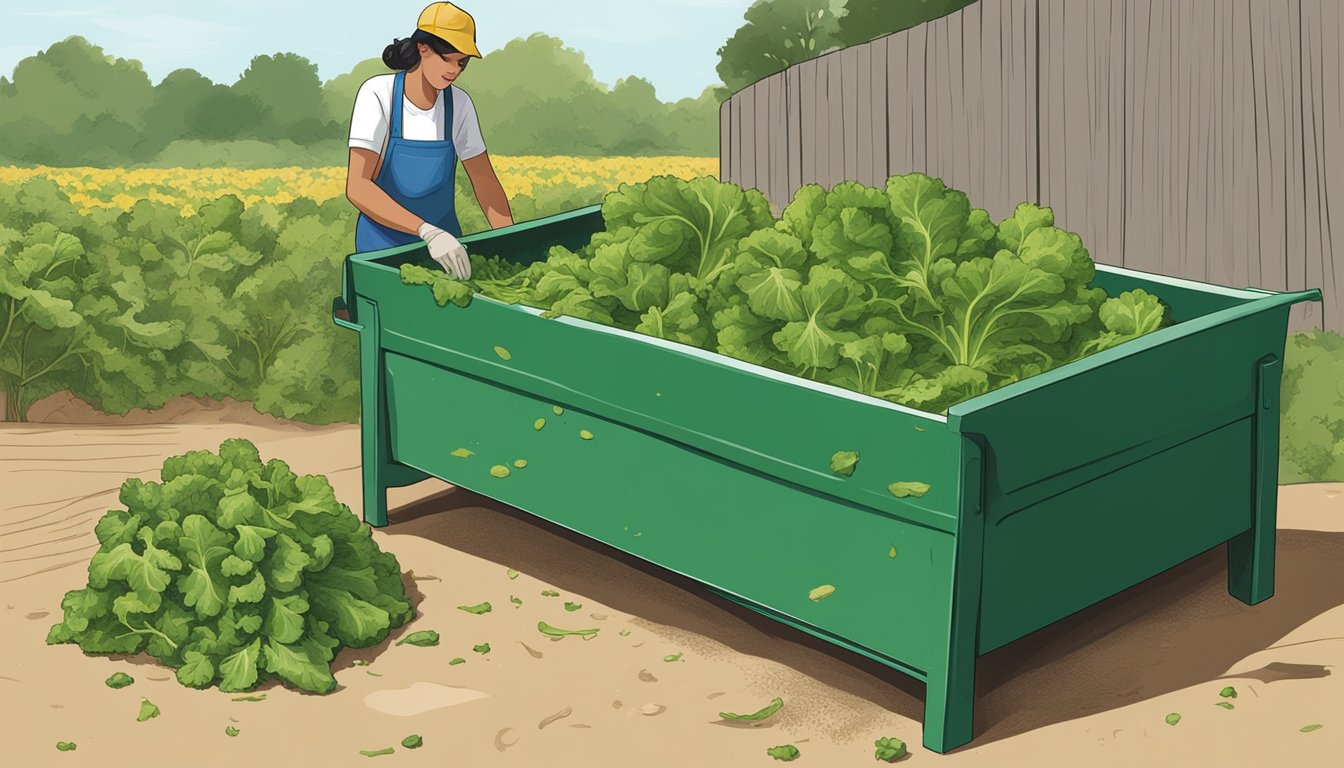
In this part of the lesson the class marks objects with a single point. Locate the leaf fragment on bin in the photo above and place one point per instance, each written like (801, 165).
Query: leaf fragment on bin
(538, 424)
(843, 462)
(503, 353)
(520, 463)
(770, 709)
(908, 488)
(499, 470)
(585, 434)
(893, 551)
(463, 453)
(825, 590)
(557, 410)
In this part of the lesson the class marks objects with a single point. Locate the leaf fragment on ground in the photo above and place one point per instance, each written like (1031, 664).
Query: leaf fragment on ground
(674, 657)
(1173, 718)
(549, 593)
(516, 601)
(573, 606)
(258, 697)
(476, 609)
(65, 746)
(770, 709)
(377, 752)
(1310, 728)
(483, 648)
(424, 638)
(890, 749)
(230, 731)
(458, 660)
(547, 629)
(1228, 693)
(785, 752)
(512, 574)
(147, 711)
(1225, 705)
(119, 680)
(412, 742)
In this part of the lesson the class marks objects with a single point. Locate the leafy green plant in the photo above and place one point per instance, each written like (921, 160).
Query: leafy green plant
(1311, 446)
(904, 292)
(232, 570)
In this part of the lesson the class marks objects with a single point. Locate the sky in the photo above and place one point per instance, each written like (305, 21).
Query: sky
(671, 43)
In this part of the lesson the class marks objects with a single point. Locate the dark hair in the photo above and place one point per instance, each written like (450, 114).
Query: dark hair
(403, 53)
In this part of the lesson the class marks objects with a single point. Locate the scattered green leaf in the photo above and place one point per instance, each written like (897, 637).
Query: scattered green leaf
(538, 424)
(624, 632)
(843, 462)
(119, 680)
(424, 638)
(769, 710)
(1310, 728)
(463, 453)
(377, 752)
(65, 746)
(890, 749)
(549, 593)
(1224, 705)
(893, 551)
(904, 489)
(231, 731)
(1228, 693)
(520, 463)
(547, 629)
(674, 656)
(371, 673)
(503, 353)
(476, 609)
(499, 470)
(557, 409)
(919, 429)
(361, 662)
(585, 434)
(512, 574)
(825, 590)
(483, 648)
(515, 600)
(412, 742)
(573, 606)
(147, 711)
(786, 752)
(1173, 718)
(257, 697)
(458, 660)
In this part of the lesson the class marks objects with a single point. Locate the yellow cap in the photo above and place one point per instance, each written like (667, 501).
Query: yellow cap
(451, 24)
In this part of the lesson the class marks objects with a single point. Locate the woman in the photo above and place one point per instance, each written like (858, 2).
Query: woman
(406, 138)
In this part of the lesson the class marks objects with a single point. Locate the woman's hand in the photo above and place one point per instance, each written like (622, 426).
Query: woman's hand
(446, 250)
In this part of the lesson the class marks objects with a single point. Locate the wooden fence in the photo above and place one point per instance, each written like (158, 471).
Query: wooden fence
(1201, 139)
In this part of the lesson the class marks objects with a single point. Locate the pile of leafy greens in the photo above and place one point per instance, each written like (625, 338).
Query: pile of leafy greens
(231, 571)
(905, 293)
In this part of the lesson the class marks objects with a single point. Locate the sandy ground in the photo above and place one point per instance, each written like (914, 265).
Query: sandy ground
(1092, 690)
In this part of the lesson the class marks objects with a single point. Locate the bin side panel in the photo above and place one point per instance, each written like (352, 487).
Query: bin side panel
(757, 538)
(767, 422)
(1065, 553)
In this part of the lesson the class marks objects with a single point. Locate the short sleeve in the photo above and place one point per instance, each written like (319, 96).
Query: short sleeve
(467, 138)
(368, 122)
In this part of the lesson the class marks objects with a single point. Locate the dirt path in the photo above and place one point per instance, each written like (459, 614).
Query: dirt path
(1093, 690)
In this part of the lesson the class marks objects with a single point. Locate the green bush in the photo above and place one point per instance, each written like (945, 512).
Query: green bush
(231, 570)
(1311, 440)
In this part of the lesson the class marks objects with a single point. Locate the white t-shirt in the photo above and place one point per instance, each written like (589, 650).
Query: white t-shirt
(370, 121)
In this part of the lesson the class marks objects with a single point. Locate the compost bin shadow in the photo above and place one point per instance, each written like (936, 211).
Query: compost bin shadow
(1177, 629)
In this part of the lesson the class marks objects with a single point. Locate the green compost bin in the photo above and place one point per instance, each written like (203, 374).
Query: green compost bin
(1045, 496)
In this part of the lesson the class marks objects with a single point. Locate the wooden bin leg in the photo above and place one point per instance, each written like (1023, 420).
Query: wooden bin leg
(949, 704)
(379, 472)
(1250, 555)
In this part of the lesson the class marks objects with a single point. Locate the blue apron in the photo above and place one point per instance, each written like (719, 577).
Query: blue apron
(417, 174)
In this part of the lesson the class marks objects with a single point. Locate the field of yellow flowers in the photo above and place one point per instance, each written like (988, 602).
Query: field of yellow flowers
(119, 188)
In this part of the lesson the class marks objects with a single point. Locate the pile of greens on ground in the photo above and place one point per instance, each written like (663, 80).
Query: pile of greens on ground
(231, 570)
(905, 293)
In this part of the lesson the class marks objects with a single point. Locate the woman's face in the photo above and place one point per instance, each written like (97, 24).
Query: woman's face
(441, 69)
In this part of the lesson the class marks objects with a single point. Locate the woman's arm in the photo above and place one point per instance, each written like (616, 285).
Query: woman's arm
(370, 199)
(489, 192)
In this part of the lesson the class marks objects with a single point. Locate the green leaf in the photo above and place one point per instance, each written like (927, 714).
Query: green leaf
(424, 638)
(229, 730)
(260, 697)
(66, 746)
(770, 709)
(204, 548)
(456, 661)
(499, 470)
(235, 566)
(412, 742)
(483, 648)
(463, 453)
(119, 680)
(786, 752)
(384, 750)
(503, 353)
(1225, 705)
(825, 590)
(197, 671)
(1310, 728)
(908, 488)
(238, 671)
(547, 629)
(1173, 718)
(573, 606)
(516, 601)
(147, 711)
(476, 609)
(843, 462)
(251, 592)
(673, 657)
(890, 749)
(304, 665)
(251, 543)
(512, 574)
(1228, 693)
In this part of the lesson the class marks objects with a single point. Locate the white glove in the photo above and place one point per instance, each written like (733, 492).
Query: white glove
(446, 250)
